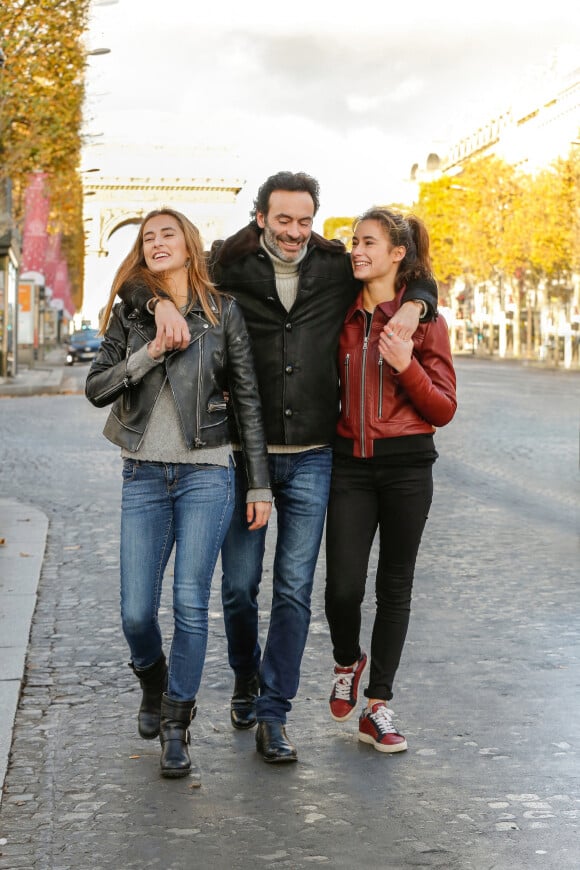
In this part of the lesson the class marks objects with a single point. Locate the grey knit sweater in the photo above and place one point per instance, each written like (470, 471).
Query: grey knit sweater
(163, 440)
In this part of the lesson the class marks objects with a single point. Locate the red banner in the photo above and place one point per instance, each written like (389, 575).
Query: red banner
(35, 233)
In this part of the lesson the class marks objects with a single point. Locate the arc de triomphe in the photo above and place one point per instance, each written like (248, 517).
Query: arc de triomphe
(114, 202)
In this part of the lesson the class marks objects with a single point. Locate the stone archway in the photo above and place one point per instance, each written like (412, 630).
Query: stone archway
(111, 203)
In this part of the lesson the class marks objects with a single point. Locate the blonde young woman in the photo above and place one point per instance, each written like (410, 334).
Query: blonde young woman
(173, 426)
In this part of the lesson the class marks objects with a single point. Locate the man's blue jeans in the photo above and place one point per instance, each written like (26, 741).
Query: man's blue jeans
(300, 485)
(163, 505)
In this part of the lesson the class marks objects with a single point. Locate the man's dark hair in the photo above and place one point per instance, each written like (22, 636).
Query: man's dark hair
(293, 181)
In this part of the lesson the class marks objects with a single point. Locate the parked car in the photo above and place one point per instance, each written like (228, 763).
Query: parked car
(83, 346)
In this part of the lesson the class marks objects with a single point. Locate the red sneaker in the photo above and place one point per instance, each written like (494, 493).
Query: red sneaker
(376, 727)
(344, 693)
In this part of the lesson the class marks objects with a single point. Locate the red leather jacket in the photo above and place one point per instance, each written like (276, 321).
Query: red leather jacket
(376, 401)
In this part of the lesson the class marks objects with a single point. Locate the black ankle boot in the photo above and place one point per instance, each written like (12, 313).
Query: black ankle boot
(243, 706)
(174, 736)
(153, 683)
(273, 744)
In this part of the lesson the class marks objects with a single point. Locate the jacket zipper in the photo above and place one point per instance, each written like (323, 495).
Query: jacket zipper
(198, 442)
(362, 397)
(113, 389)
(380, 387)
(127, 394)
(124, 383)
(347, 385)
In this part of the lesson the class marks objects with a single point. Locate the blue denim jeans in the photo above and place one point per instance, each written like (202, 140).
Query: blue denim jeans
(300, 485)
(166, 505)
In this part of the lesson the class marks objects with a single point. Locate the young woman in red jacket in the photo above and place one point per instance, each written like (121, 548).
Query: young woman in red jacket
(394, 394)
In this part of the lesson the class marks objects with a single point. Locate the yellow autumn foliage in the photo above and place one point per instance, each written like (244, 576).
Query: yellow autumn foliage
(41, 102)
(494, 223)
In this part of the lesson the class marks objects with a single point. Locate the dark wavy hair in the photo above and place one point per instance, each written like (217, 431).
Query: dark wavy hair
(409, 232)
(292, 181)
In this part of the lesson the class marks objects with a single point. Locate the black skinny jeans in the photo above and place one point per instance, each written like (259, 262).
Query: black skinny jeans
(365, 495)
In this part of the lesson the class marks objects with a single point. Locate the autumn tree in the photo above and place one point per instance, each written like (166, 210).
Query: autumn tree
(515, 233)
(443, 208)
(338, 228)
(41, 101)
(552, 206)
(511, 235)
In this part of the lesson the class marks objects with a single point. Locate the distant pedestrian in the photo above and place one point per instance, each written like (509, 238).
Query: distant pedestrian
(394, 393)
(172, 423)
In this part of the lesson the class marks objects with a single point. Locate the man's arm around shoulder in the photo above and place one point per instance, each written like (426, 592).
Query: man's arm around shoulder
(419, 302)
(172, 329)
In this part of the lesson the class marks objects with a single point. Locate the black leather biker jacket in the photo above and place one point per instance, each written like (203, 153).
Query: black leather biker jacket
(218, 358)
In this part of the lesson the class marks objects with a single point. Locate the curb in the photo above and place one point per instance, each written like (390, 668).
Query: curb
(33, 382)
(23, 532)
(30, 390)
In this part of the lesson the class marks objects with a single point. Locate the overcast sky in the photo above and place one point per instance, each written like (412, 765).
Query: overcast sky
(354, 93)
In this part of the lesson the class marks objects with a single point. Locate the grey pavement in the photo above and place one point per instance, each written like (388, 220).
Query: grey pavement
(42, 378)
(487, 693)
(23, 531)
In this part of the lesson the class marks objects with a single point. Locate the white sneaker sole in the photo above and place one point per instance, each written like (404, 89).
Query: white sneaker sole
(381, 747)
(343, 718)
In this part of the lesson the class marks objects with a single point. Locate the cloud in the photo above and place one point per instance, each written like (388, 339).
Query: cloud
(357, 94)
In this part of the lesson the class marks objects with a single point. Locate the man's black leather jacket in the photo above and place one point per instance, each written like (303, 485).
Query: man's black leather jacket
(218, 358)
(295, 352)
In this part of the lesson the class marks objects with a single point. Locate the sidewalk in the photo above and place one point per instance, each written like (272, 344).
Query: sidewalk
(46, 377)
(23, 531)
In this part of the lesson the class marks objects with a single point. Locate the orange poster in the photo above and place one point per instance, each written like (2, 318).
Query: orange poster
(24, 297)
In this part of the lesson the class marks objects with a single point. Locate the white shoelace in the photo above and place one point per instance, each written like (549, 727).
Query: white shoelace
(383, 720)
(342, 686)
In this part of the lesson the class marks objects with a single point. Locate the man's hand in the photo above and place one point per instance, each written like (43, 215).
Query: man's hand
(172, 330)
(257, 513)
(405, 321)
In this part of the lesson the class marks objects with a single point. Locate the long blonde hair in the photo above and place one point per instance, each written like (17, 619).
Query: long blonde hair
(133, 269)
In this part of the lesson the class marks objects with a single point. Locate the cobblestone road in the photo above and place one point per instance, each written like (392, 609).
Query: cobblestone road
(487, 694)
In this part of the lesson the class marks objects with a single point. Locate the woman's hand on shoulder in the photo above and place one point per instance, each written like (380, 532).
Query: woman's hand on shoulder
(394, 350)
(157, 347)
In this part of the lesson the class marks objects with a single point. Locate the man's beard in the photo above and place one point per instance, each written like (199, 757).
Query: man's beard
(272, 245)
